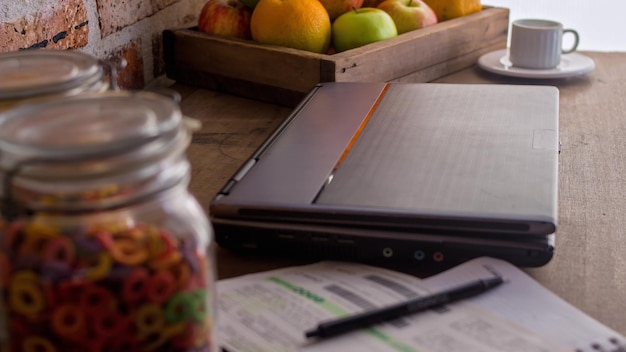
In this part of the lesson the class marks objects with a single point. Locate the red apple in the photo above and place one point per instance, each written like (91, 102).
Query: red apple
(409, 15)
(338, 7)
(230, 18)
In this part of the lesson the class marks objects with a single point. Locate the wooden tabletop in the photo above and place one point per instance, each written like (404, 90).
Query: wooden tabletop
(589, 268)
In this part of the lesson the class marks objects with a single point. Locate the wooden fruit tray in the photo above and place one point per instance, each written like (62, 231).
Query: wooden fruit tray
(284, 76)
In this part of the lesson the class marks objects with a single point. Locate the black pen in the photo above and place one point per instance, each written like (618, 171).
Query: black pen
(361, 320)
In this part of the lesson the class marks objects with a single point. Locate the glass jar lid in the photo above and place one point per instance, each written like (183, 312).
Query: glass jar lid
(30, 73)
(90, 134)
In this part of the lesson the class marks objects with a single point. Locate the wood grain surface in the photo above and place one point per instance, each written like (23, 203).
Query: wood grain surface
(589, 268)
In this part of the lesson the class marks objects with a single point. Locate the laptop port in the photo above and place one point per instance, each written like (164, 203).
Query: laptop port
(319, 238)
(419, 255)
(285, 236)
(438, 257)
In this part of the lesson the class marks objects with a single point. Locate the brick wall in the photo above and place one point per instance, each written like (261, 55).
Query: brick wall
(104, 28)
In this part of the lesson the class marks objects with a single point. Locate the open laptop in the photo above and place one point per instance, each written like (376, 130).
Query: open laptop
(402, 173)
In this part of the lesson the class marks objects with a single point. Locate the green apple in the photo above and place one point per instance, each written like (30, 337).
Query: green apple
(360, 27)
(409, 15)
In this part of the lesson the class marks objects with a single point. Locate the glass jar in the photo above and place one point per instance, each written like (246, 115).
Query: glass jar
(102, 247)
(36, 74)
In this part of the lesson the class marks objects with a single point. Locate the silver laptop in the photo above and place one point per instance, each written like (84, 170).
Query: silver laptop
(402, 173)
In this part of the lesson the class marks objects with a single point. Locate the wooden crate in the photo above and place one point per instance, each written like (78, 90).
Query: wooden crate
(284, 76)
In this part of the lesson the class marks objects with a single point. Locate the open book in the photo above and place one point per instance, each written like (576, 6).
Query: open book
(271, 311)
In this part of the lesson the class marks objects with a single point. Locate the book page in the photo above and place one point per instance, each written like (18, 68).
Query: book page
(271, 311)
(529, 304)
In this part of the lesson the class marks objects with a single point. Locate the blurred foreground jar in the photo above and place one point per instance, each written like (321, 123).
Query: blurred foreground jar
(102, 247)
(33, 75)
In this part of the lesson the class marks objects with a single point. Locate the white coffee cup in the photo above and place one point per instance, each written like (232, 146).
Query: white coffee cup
(538, 44)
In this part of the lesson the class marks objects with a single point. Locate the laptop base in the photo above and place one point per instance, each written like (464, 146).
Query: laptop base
(397, 250)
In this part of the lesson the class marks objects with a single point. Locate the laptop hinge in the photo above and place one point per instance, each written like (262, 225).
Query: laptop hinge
(245, 168)
(238, 176)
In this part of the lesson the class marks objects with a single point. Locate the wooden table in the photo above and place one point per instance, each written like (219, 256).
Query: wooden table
(589, 268)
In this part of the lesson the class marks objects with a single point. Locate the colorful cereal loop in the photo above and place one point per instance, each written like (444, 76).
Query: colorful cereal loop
(33, 243)
(37, 344)
(129, 252)
(87, 245)
(105, 239)
(195, 337)
(25, 275)
(178, 308)
(134, 287)
(95, 299)
(166, 261)
(25, 297)
(108, 324)
(161, 244)
(187, 339)
(69, 291)
(160, 287)
(159, 338)
(202, 337)
(59, 249)
(198, 305)
(137, 234)
(109, 227)
(182, 272)
(149, 319)
(68, 321)
(40, 230)
(100, 269)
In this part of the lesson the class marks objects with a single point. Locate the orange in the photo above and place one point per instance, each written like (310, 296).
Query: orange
(449, 9)
(299, 24)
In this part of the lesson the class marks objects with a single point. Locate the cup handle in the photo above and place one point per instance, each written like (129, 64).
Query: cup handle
(575, 45)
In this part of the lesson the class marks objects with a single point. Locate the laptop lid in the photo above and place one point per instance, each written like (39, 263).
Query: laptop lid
(408, 157)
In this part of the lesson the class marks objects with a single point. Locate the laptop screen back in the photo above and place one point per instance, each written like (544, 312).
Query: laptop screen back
(437, 156)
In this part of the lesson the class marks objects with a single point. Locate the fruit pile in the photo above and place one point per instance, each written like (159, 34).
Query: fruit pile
(326, 26)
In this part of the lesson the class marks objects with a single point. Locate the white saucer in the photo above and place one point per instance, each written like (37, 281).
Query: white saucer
(573, 64)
